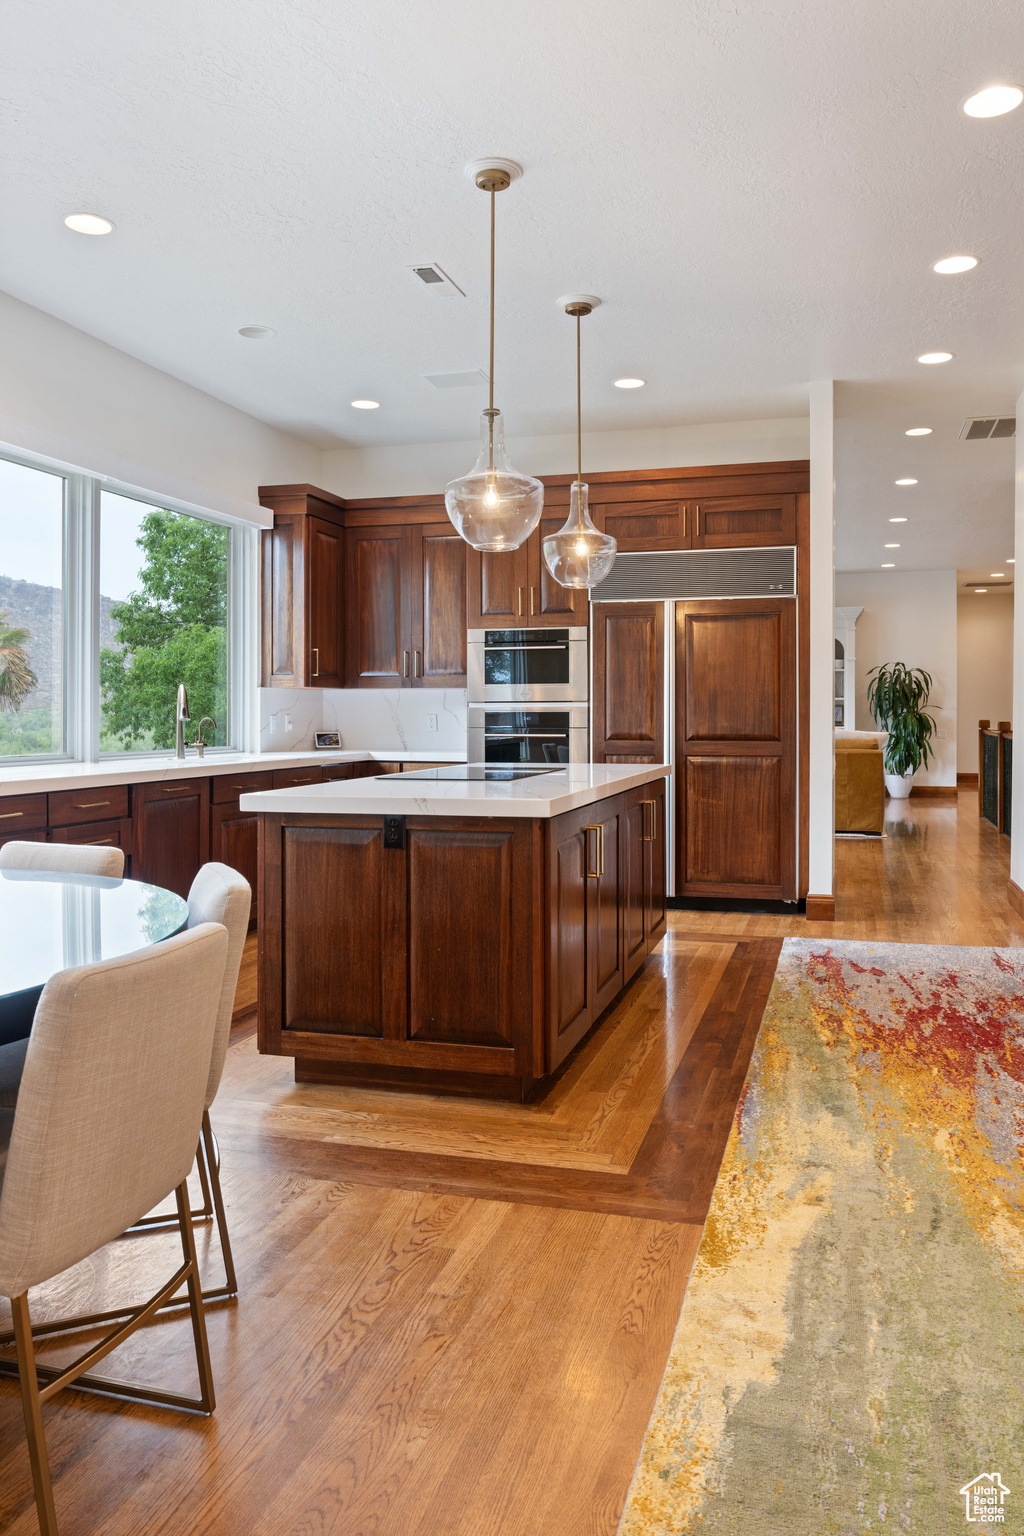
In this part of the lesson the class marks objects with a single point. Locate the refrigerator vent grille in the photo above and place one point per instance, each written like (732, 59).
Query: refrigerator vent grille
(662, 575)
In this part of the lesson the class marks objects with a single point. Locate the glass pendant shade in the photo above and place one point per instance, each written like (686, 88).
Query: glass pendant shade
(579, 555)
(494, 507)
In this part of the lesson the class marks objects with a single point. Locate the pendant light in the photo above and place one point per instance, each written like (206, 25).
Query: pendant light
(494, 507)
(579, 555)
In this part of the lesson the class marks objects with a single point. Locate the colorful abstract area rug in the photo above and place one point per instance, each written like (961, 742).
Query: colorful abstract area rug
(850, 1354)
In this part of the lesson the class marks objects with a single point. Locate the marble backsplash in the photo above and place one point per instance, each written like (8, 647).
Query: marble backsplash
(383, 719)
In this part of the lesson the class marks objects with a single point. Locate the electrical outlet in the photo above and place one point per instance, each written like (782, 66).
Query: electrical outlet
(288, 723)
(431, 722)
(940, 735)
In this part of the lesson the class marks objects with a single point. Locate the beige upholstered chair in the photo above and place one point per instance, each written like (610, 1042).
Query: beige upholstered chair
(218, 895)
(106, 1124)
(71, 858)
(55, 858)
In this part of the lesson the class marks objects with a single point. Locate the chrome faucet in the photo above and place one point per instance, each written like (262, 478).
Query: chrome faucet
(181, 715)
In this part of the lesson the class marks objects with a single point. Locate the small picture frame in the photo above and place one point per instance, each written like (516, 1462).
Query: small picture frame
(326, 739)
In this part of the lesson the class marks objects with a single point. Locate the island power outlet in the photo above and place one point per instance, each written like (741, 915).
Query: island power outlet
(394, 831)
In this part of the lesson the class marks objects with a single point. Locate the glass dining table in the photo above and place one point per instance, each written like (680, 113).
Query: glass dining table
(50, 922)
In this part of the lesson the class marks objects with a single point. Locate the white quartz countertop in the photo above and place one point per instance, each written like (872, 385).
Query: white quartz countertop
(543, 795)
(35, 778)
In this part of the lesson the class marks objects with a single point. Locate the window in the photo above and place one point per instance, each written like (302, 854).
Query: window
(163, 620)
(31, 612)
(107, 603)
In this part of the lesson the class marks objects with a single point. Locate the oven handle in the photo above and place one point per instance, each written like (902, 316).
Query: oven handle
(525, 735)
(562, 645)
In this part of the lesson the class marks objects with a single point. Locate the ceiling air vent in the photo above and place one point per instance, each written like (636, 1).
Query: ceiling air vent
(437, 280)
(977, 427)
(456, 380)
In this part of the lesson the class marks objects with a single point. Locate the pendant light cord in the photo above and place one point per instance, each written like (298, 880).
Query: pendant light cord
(490, 367)
(579, 410)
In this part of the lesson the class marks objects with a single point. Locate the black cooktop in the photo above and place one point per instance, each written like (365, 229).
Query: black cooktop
(471, 773)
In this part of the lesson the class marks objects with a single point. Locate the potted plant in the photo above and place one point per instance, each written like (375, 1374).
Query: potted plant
(896, 697)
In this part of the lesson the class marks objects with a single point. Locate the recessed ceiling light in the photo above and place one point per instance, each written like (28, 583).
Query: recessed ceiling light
(889, 565)
(906, 482)
(919, 431)
(366, 405)
(88, 224)
(993, 101)
(996, 575)
(1011, 560)
(630, 383)
(897, 519)
(936, 357)
(256, 332)
(955, 264)
(980, 590)
(894, 546)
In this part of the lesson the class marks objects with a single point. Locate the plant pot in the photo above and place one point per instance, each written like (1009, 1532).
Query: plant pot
(898, 785)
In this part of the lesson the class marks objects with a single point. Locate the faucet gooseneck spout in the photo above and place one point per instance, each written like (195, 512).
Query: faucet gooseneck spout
(180, 716)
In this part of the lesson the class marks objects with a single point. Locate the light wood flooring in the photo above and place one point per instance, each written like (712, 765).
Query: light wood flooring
(454, 1316)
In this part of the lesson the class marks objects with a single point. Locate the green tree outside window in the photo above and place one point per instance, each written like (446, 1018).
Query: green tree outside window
(174, 630)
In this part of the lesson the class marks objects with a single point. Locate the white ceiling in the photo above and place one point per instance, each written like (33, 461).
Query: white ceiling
(757, 194)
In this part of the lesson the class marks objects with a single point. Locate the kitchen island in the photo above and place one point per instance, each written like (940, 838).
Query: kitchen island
(454, 934)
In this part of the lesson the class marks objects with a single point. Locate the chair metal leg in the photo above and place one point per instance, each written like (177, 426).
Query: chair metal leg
(32, 1406)
(195, 1302)
(50, 1380)
(210, 1152)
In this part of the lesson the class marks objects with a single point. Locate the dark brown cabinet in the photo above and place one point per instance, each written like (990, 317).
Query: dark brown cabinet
(737, 522)
(234, 840)
(470, 959)
(170, 832)
(516, 588)
(585, 928)
(643, 873)
(303, 589)
(644, 525)
(628, 641)
(406, 608)
(736, 748)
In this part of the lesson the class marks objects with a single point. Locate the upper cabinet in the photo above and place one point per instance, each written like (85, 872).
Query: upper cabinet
(406, 606)
(303, 589)
(515, 589)
(380, 593)
(738, 522)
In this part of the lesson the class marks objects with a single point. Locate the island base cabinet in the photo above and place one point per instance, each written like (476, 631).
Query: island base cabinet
(464, 955)
(400, 959)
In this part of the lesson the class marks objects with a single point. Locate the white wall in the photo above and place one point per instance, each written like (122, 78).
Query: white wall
(984, 668)
(1017, 798)
(820, 684)
(909, 616)
(416, 469)
(70, 397)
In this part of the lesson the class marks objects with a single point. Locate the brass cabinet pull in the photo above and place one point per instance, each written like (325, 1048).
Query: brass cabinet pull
(684, 521)
(90, 805)
(316, 652)
(415, 663)
(594, 874)
(94, 842)
(405, 663)
(698, 519)
(531, 602)
(11, 815)
(520, 591)
(652, 836)
(170, 789)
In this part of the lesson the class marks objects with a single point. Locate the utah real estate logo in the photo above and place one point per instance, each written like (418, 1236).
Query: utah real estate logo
(983, 1498)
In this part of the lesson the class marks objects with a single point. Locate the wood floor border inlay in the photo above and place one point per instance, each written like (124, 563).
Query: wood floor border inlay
(670, 1173)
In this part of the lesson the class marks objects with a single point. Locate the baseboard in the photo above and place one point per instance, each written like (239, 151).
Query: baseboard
(967, 780)
(821, 909)
(1015, 896)
(936, 791)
